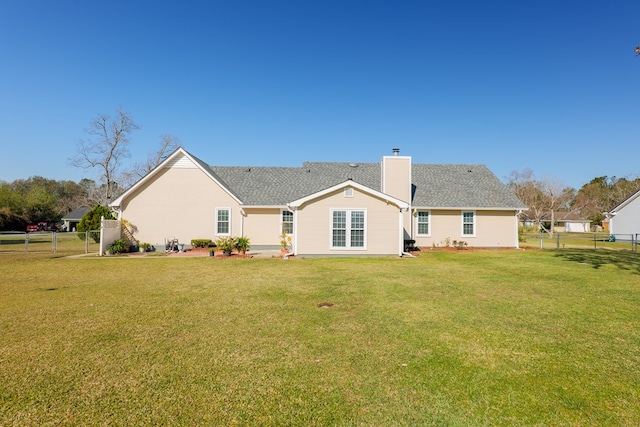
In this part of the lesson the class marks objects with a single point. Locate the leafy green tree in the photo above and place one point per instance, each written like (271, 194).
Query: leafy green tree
(91, 222)
(601, 194)
(11, 221)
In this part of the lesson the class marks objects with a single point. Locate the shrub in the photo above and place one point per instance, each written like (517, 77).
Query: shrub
(117, 247)
(91, 222)
(201, 243)
(460, 244)
(226, 244)
(242, 244)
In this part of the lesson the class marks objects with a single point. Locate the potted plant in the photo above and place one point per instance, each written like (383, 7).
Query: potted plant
(144, 247)
(226, 244)
(285, 242)
(212, 251)
(242, 244)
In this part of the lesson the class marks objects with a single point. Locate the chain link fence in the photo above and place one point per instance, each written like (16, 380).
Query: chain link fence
(595, 241)
(48, 242)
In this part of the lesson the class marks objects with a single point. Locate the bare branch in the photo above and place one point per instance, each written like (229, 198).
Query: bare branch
(106, 149)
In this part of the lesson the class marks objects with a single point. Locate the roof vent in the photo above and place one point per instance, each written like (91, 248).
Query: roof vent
(396, 151)
(353, 165)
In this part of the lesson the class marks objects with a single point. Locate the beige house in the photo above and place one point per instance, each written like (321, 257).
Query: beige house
(327, 208)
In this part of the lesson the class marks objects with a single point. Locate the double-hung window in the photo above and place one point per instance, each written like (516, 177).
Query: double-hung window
(348, 229)
(423, 223)
(223, 221)
(468, 223)
(287, 222)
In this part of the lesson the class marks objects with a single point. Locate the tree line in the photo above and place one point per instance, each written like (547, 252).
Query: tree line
(544, 197)
(38, 199)
(105, 150)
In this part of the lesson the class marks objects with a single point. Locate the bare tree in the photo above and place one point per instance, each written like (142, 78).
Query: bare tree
(543, 197)
(168, 144)
(106, 149)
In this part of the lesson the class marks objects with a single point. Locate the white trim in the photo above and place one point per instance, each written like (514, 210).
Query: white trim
(622, 204)
(348, 230)
(243, 206)
(364, 189)
(475, 223)
(282, 211)
(417, 222)
(216, 225)
(295, 232)
(400, 233)
(464, 208)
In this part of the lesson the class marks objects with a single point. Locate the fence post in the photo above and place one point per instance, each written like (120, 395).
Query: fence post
(595, 239)
(558, 241)
(540, 237)
(86, 242)
(26, 242)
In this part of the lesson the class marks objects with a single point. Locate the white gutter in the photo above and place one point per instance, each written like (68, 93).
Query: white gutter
(242, 215)
(400, 233)
(295, 233)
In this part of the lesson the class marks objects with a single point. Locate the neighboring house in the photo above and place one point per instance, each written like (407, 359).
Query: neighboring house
(624, 219)
(568, 222)
(571, 222)
(327, 208)
(71, 220)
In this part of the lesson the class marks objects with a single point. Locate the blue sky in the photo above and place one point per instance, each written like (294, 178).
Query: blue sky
(553, 86)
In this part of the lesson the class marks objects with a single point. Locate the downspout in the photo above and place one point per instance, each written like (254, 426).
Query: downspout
(401, 232)
(242, 215)
(517, 226)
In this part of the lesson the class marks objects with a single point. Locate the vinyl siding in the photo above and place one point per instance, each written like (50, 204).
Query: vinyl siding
(262, 226)
(493, 229)
(314, 225)
(178, 202)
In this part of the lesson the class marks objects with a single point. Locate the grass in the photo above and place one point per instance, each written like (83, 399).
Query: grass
(451, 338)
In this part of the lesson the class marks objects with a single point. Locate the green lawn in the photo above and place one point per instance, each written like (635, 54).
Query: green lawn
(450, 338)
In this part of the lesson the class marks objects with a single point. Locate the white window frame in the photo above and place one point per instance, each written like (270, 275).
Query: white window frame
(218, 222)
(474, 223)
(428, 212)
(348, 229)
(282, 221)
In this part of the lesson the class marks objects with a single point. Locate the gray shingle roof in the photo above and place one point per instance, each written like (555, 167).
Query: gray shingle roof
(77, 213)
(438, 186)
